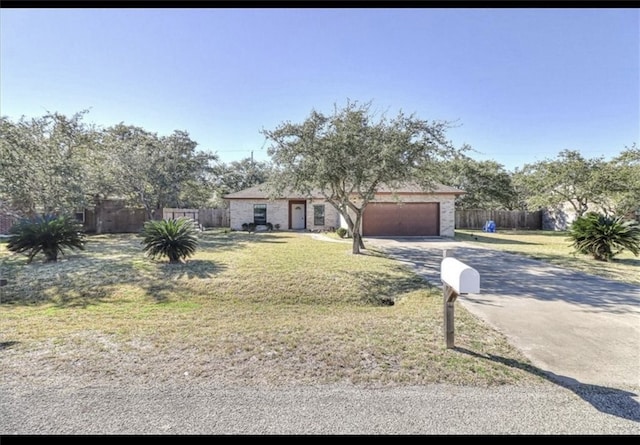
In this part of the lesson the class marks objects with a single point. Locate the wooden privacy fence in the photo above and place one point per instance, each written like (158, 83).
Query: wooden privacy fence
(6, 221)
(214, 217)
(113, 216)
(204, 217)
(504, 219)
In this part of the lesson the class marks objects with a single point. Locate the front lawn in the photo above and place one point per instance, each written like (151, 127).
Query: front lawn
(247, 309)
(554, 247)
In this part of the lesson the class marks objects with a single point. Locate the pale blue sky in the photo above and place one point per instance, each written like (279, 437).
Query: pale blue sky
(522, 84)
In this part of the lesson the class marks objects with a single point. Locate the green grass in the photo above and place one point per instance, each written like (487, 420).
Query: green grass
(554, 247)
(264, 308)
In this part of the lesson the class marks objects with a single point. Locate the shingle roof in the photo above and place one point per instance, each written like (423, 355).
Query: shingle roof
(416, 188)
(260, 191)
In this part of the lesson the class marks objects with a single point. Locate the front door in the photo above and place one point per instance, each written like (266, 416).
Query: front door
(297, 213)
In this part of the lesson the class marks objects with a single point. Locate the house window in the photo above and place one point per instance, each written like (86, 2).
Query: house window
(79, 216)
(318, 215)
(260, 214)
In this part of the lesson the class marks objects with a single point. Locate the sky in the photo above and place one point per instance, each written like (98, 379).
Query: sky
(518, 85)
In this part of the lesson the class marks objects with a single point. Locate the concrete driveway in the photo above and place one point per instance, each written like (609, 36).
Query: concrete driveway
(578, 328)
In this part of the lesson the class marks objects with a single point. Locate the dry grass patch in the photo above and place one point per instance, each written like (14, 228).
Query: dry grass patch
(252, 309)
(554, 247)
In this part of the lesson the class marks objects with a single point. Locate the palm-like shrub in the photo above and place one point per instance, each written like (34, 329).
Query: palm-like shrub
(49, 234)
(176, 239)
(604, 237)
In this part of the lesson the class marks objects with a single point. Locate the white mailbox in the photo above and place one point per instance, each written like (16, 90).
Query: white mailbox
(462, 278)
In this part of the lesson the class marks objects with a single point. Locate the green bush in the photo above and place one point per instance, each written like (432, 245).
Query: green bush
(249, 227)
(49, 234)
(341, 231)
(604, 237)
(176, 239)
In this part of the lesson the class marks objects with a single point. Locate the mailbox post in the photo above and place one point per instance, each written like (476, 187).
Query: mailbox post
(457, 279)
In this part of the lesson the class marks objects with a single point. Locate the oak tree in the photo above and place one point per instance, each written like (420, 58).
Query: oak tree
(347, 155)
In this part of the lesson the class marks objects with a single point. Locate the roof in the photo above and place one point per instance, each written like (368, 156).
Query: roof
(260, 191)
(414, 188)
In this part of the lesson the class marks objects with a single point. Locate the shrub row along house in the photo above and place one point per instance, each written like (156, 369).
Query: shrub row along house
(406, 211)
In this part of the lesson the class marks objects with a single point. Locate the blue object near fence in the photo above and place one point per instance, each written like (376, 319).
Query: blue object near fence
(489, 226)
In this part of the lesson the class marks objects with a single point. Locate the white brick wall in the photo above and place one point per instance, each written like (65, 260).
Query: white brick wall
(331, 216)
(241, 211)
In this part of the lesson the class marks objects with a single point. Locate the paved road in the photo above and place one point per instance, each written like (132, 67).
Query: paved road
(432, 409)
(583, 331)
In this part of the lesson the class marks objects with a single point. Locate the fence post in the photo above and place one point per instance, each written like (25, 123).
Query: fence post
(450, 296)
(449, 300)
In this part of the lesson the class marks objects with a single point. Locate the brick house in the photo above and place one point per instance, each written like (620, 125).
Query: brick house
(407, 211)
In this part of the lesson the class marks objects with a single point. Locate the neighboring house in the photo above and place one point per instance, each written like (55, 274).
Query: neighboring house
(409, 211)
(558, 218)
(561, 217)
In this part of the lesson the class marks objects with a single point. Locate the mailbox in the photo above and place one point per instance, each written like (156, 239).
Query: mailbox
(457, 278)
(460, 277)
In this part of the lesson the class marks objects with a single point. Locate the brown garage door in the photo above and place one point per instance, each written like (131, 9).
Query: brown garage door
(408, 219)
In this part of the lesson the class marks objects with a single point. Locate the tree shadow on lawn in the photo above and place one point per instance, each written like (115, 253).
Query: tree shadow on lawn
(586, 262)
(384, 289)
(265, 237)
(123, 244)
(7, 344)
(234, 240)
(83, 278)
(628, 261)
(189, 270)
(608, 400)
(112, 244)
(484, 237)
(80, 283)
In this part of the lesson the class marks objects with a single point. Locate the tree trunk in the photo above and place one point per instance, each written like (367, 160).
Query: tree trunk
(353, 228)
(98, 213)
(357, 236)
(580, 207)
(356, 243)
(51, 255)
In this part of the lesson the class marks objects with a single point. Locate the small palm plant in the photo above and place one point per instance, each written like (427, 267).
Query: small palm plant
(604, 237)
(176, 239)
(49, 234)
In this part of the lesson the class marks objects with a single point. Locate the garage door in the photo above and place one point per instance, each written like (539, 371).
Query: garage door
(408, 219)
